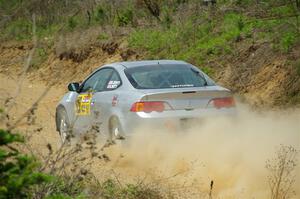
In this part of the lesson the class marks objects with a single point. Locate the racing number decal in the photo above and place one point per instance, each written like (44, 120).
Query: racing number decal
(83, 104)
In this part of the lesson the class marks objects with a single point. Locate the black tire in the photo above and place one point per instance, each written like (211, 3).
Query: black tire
(63, 125)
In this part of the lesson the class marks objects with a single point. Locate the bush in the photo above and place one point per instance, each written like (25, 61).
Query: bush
(287, 41)
(125, 17)
(18, 29)
(100, 15)
(111, 189)
(72, 23)
(66, 186)
(17, 171)
(282, 169)
(39, 57)
(190, 42)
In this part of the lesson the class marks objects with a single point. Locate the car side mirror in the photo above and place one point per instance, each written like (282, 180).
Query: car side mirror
(73, 86)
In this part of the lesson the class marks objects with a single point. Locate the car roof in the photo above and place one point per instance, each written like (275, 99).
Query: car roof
(130, 64)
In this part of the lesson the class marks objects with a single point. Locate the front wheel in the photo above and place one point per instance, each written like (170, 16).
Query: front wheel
(63, 126)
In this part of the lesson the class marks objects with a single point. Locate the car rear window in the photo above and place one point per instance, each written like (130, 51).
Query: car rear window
(165, 76)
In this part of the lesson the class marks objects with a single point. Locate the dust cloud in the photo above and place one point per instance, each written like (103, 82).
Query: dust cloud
(231, 152)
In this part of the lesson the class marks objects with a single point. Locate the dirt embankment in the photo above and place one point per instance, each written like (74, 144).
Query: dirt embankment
(263, 77)
(256, 72)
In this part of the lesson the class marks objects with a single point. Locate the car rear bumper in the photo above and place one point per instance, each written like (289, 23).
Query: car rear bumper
(170, 120)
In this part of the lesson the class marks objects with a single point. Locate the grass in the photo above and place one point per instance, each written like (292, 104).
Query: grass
(39, 57)
(112, 189)
(194, 43)
(288, 40)
(199, 43)
(81, 188)
(19, 29)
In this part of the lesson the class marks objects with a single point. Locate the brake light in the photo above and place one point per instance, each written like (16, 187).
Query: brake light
(225, 102)
(148, 107)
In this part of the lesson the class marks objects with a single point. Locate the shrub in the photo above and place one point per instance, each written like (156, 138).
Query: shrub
(125, 17)
(66, 186)
(100, 15)
(111, 189)
(39, 57)
(103, 36)
(17, 171)
(287, 41)
(19, 29)
(72, 23)
(282, 170)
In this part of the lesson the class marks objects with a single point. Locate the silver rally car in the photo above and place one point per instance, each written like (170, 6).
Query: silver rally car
(119, 97)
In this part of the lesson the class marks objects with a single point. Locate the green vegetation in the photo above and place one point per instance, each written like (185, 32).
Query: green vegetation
(287, 40)
(20, 29)
(17, 171)
(39, 57)
(20, 178)
(164, 29)
(125, 17)
(199, 42)
(112, 189)
(23, 176)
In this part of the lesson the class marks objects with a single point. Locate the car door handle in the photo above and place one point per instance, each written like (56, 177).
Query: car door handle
(93, 102)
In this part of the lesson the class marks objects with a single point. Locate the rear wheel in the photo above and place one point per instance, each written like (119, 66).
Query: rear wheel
(115, 131)
(63, 126)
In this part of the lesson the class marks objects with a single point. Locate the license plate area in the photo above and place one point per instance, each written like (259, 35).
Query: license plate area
(185, 123)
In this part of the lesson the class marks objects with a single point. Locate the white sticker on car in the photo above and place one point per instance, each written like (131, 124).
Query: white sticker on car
(113, 84)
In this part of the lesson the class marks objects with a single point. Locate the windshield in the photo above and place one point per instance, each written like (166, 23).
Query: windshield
(165, 76)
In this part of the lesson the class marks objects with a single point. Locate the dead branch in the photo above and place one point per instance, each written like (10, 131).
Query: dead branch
(25, 67)
(281, 169)
(26, 113)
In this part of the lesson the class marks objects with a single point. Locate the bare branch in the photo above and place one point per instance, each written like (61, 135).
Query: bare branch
(26, 66)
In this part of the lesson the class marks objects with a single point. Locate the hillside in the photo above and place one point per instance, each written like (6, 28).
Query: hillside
(250, 47)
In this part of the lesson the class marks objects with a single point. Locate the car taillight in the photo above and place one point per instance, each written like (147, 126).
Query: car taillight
(148, 107)
(225, 102)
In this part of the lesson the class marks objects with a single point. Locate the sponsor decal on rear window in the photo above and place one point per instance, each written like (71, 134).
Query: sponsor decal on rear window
(182, 85)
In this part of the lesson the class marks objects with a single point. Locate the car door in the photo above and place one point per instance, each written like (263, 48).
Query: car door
(104, 101)
(84, 102)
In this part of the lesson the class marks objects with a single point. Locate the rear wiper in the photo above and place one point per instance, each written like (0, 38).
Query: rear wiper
(200, 75)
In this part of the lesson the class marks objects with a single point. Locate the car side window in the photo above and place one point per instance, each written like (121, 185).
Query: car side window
(97, 81)
(114, 82)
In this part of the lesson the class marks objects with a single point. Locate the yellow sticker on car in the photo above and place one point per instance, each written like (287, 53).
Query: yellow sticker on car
(83, 104)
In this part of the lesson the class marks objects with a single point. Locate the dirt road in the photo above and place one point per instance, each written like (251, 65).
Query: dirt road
(232, 153)
(29, 93)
